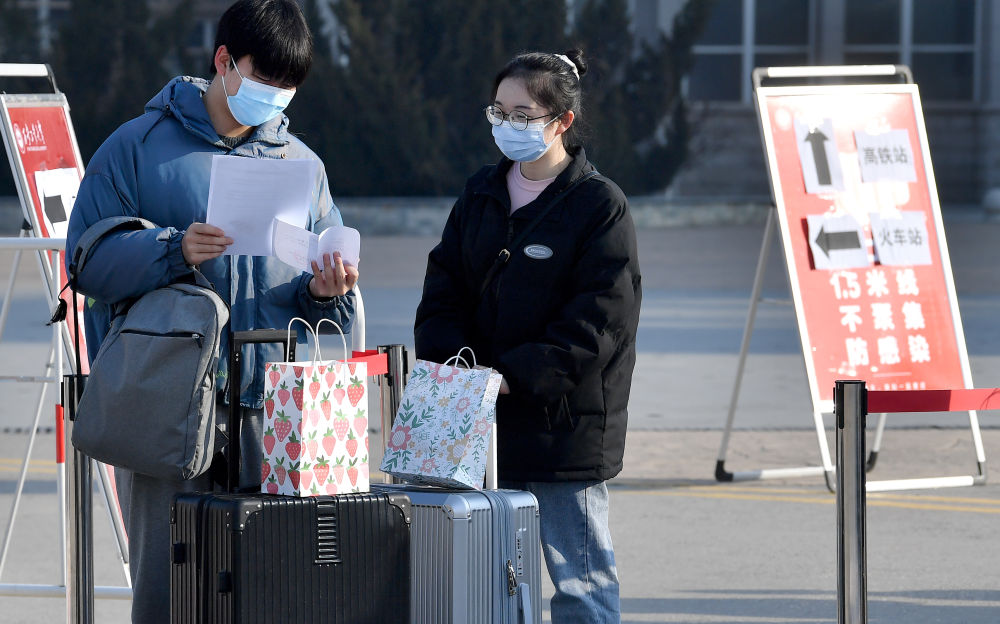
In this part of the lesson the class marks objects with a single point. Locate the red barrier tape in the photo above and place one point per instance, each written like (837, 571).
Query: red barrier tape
(60, 436)
(895, 401)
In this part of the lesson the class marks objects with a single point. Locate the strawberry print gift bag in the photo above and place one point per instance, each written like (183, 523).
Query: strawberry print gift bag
(315, 426)
(442, 429)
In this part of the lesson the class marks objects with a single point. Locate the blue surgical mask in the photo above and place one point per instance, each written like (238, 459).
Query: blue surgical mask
(255, 103)
(526, 145)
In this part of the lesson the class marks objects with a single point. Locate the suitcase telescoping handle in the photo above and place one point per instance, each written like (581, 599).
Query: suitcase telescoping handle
(236, 342)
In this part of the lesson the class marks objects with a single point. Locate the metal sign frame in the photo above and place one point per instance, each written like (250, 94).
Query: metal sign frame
(76, 586)
(820, 404)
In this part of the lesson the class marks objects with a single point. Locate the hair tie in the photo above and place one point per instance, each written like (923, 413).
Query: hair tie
(572, 65)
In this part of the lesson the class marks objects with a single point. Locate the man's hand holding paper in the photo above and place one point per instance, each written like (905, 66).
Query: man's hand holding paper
(333, 279)
(203, 242)
(334, 252)
(301, 248)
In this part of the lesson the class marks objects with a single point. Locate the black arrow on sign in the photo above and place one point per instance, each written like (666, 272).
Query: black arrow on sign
(835, 241)
(818, 139)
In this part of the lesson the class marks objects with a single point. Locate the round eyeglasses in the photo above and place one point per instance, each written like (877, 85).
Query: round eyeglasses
(517, 119)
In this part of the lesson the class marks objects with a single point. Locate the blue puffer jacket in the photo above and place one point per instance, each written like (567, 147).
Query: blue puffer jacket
(157, 167)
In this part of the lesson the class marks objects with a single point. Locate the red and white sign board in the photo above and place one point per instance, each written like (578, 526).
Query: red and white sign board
(42, 149)
(863, 238)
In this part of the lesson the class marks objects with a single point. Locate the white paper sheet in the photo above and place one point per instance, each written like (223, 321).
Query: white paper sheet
(339, 238)
(298, 247)
(291, 244)
(837, 242)
(246, 195)
(818, 156)
(886, 156)
(57, 189)
(903, 240)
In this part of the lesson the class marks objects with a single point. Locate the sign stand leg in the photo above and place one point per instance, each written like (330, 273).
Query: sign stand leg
(765, 249)
(10, 287)
(114, 516)
(876, 444)
(24, 465)
(977, 441)
(721, 474)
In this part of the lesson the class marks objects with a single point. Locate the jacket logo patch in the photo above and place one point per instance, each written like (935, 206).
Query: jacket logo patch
(538, 252)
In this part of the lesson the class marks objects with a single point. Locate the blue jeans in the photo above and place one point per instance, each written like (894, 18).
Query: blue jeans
(576, 543)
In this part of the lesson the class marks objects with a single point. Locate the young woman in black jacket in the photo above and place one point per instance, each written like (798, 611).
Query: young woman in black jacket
(557, 318)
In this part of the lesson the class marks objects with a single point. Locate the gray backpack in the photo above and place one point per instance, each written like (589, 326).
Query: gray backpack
(148, 404)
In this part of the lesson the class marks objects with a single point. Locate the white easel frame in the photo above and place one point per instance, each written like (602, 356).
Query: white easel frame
(61, 345)
(827, 469)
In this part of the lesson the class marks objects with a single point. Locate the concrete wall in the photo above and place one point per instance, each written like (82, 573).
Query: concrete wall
(956, 140)
(727, 158)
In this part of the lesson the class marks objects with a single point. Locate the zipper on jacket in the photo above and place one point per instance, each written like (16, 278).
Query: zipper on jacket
(499, 278)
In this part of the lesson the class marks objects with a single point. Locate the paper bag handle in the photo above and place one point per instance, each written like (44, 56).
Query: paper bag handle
(458, 358)
(340, 331)
(317, 354)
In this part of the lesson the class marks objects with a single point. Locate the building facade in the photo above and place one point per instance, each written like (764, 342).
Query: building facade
(951, 47)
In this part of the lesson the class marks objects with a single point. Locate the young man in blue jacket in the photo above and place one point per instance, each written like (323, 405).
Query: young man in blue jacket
(157, 166)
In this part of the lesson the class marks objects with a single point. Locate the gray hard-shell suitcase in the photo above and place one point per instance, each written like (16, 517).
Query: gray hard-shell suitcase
(475, 556)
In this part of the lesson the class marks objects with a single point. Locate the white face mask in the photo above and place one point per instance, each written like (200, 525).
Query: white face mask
(255, 103)
(526, 145)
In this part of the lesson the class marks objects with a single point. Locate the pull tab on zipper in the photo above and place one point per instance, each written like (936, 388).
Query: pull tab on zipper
(511, 579)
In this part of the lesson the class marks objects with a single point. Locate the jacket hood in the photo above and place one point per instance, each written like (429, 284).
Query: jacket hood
(181, 99)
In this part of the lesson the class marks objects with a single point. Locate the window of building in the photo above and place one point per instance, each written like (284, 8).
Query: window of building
(937, 39)
(743, 34)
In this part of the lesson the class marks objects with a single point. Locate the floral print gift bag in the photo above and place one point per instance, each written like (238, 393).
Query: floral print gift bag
(442, 429)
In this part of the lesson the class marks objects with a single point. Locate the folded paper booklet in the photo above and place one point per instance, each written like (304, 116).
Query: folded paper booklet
(299, 247)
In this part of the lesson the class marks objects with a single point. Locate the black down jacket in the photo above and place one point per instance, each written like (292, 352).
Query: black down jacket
(559, 324)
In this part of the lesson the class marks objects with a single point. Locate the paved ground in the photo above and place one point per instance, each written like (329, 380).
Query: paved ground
(689, 549)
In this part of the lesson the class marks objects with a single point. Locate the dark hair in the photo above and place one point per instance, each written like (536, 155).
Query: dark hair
(275, 35)
(551, 82)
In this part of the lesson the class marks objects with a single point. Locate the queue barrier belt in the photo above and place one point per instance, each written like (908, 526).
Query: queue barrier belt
(896, 401)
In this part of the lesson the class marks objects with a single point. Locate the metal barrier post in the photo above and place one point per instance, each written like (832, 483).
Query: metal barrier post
(391, 392)
(851, 406)
(80, 585)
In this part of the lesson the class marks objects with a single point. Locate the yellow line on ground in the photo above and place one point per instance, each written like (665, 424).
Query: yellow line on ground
(934, 507)
(34, 462)
(946, 499)
(871, 495)
(702, 493)
(758, 488)
(801, 496)
(31, 470)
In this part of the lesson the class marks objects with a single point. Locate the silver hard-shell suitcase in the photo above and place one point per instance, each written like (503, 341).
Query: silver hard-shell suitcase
(475, 556)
